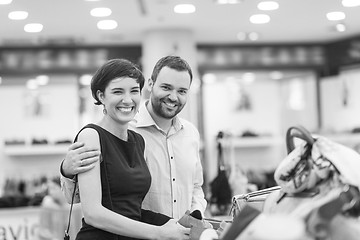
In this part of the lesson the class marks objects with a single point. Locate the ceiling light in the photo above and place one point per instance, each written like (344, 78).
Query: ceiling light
(5, 1)
(350, 3)
(335, 16)
(253, 36)
(33, 27)
(268, 5)
(260, 18)
(18, 15)
(340, 27)
(100, 12)
(241, 36)
(184, 8)
(107, 24)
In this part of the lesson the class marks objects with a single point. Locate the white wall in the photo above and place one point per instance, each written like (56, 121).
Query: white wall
(60, 120)
(337, 116)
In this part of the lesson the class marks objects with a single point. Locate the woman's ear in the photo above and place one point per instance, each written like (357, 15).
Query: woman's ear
(100, 96)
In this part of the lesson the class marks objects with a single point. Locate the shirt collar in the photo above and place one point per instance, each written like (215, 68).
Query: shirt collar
(144, 119)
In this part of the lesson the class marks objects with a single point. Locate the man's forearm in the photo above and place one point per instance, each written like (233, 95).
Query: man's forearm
(68, 186)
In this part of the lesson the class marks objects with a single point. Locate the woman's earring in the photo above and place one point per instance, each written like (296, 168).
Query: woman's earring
(104, 111)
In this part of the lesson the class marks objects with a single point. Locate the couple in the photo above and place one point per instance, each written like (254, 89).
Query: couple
(116, 190)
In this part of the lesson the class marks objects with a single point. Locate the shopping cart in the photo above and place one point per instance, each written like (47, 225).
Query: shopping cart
(255, 199)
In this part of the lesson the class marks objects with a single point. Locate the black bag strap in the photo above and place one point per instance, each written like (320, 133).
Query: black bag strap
(297, 131)
(67, 236)
(221, 162)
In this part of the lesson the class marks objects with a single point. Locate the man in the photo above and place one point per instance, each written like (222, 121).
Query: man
(172, 145)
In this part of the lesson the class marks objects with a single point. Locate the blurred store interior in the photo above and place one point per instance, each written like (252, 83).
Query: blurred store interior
(259, 69)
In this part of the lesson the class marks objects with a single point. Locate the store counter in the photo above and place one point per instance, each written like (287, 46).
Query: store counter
(37, 223)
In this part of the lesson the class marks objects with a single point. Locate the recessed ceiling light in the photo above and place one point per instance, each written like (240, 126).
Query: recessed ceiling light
(18, 15)
(107, 24)
(260, 18)
(100, 12)
(241, 36)
(33, 27)
(268, 5)
(5, 1)
(340, 27)
(253, 36)
(350, 3)
(335, 16)
(184, 8)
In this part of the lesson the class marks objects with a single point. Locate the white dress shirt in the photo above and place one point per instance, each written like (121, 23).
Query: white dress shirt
(174, 163)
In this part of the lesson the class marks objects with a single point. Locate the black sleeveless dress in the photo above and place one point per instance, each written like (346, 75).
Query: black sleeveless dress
(125, 180)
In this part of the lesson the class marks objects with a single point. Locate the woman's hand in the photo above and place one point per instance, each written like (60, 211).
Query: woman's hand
(173, 231)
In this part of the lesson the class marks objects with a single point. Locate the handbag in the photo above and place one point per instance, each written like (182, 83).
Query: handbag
(220, 187)
(320, 184)
(317, 195)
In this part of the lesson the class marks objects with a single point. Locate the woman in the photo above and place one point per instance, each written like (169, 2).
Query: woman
(112, 192)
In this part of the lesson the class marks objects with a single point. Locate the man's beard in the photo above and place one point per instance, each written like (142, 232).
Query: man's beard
(161, 110)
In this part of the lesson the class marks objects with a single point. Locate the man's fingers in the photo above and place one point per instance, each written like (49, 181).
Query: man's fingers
(93, 151)
(75, 145)
(90, 154)
(85, 168)
(88, 161)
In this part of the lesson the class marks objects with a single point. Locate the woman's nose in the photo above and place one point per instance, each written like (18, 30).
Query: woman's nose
(127, 98)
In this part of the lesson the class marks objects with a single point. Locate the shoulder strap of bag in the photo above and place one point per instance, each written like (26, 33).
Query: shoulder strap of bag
(67, 236)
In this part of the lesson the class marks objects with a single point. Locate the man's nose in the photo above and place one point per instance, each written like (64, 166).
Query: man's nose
(173, 95)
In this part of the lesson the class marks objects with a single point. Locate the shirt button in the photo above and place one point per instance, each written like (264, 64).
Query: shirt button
(173, 179)
(172, 157)
(174, 200)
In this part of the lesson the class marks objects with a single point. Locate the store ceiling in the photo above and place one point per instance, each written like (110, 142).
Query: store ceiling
(69, 21)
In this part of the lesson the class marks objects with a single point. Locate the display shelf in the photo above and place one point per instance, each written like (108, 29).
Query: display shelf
(253, 142)
(348, 139)
(27, 150)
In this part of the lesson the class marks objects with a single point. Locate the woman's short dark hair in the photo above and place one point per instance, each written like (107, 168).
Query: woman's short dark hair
(173, 62)
(112, 69)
